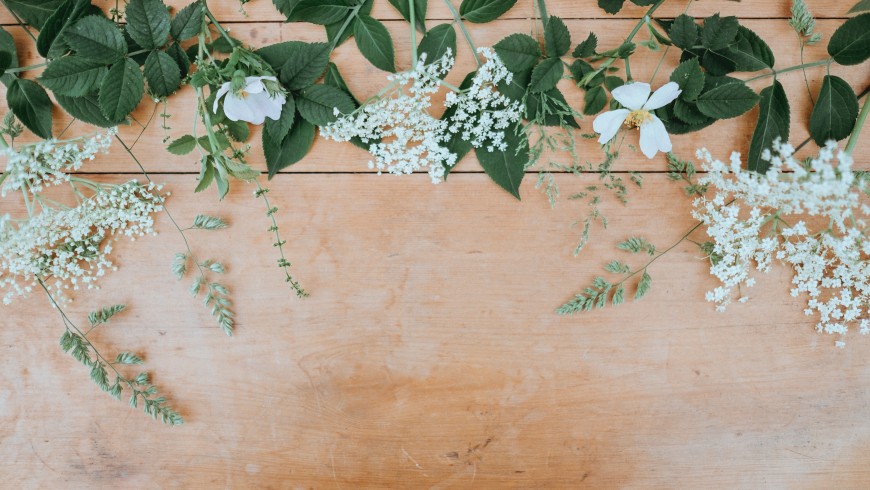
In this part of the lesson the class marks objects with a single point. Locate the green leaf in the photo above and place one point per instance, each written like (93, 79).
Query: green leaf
(835, 112)
(518, 52)
(317, 104)
(690, 78)
(148, 23)
(162, 73)
(206, 177)
(52, 31)
(611, 6)
(456, 145)
(333, 77)
(719, 32)
(176, 52)
(320, 11)
(547, 74)
(72, 76)
(594, 100)
(684, 32)
(285, 6)
(374, 42)
(34, 12)
(850, 44)
(507, 168)
(187, 23)
(182, 146)
(276, 130)
(437, 42)
(31, 106)
(7, 44)
(727, 101)
(121, 90)
(753, 54)
(862, 6)
(291, 149)
(688, 112)
(333, 30)
(718, 63)
(773, 122)
(96, 38)
(557, 39)
(482, 11)
(85, 109)
(550, 109)
(586, 48)
(298, 64)
(5, 60)
(419, 12)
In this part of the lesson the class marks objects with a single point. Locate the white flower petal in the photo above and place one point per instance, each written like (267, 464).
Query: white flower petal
(262, 106)
(632, 95)
(608, 124)
(254, 85)
(654, 138)
(220, 93)
(237, 109)
(666, 94)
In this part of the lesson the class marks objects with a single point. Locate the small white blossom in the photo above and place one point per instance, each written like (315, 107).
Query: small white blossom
(746, 220)
(253, 103)
(635, 97)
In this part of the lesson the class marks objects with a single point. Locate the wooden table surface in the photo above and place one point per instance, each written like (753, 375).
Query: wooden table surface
(429, 354)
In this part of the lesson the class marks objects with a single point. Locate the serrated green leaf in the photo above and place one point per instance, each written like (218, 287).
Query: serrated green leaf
(96, 38)
(773, 122)
(182, 146)
(7, 44)
(835, 112)
(148, 23)
(550, 109)
(162, 73)
(298, 64)
(557, 39)
(518, 52)
(719, 63)
(121, 90)
(176, 52)
(594, 100)
(753, 54)
(277, 129)
(586, 48)
(33, 12)
(294, 146)
(85, 109)
(690, 78)
(72, 76)
(320, 11)
(374, 42)
(317, 104)
(719, 32)
(507, 168)
(684, 32)
(482, 11)
(419, 12)
(611, 6)
(50, 42)
(727, 101)
(206, 177)
(187, 23)
(31, 106)
(547, 74)
(850, 44)
(862, 6)
(437, 42)
(688, 112)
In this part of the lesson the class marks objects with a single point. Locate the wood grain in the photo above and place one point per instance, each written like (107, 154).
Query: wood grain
(429, 354)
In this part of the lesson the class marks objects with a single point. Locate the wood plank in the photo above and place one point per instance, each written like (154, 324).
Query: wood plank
(264, 11)
(429, 356)
(365, 80)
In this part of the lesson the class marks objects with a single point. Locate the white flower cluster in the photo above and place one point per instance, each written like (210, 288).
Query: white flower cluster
(482, 112)
(402, 135)
(30, 168)
(66, 246)
(747, 220)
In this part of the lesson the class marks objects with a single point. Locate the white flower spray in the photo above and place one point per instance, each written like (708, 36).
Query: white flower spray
(748, 220)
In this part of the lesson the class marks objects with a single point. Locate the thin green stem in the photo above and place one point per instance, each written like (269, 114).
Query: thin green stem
(790, 68)
(354, 12)
(19, 21)
(458, 20)
(413, 17)
(657, 257)
(859, 125)
(283, 263)
(542, 12)
(631, 35)
(216, 24)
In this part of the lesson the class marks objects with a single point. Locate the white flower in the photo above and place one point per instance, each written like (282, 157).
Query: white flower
(253, 104)
(635, 97)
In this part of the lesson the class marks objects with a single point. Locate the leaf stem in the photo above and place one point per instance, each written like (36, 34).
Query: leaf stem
(642, 22)
(859, 125)
(645, 266)
(19, 21)
(542, 12)
(354, 12)
(458, 20)
(283, 263)
(790, 68)
(413, 17)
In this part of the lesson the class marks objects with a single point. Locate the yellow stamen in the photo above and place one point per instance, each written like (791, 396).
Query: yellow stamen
(636, 118)
(243, 94)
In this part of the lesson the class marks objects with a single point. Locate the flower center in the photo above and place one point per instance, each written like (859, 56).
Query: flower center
(243, 94)
(636, 118)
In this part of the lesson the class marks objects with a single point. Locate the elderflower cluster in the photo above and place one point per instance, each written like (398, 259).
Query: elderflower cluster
(748, 220)
(483, 113)
(31, 168)
(402, 136)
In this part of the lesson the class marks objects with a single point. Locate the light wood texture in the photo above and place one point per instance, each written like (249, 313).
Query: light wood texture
(429, 355)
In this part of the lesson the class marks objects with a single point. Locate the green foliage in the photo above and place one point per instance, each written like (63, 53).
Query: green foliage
(73, 76)
(518, 52)
(121, 90)
(482, 11)
(162, 73)
(684, 32)
(594, 101)
(33, 12)
(637, 245)
(50, 43)
(547, 74)
(773, 122)
(85, 109)
(298, 64)
(103, 315)
(96, 38)
(187, 23)
(835, 112)
(862, 6)
(557, 39)
(374, 42)
(614, 6)
(690, 78)
(507, 168)
(420, 7)
(317, 104)
(31, 105)
(205, 222)
(322, 12)
(684, 170)
(803, 23)
(850, 43)
(436, 42)
(727, 101)
(148, 23)
(586, 48)
(290, 149)
(182, 145)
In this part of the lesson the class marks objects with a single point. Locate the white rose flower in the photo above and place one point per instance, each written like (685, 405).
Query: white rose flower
(253, 103)
(635, 97)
